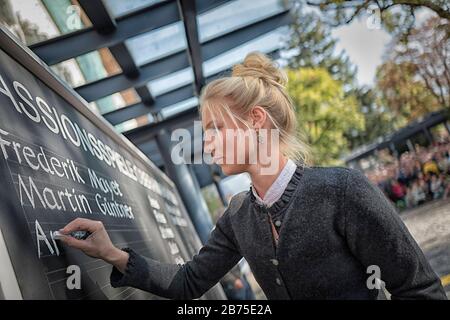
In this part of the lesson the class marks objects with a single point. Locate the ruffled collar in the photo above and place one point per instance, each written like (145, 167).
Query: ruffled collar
(278, 207)
(278, 186)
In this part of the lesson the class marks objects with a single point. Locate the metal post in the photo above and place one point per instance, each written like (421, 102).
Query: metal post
(216, 179)
(410, 146)
(393, 149)
(447, 126)
(428, 135)
(187, 187)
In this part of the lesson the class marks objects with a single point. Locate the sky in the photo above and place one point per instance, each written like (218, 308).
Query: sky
(364, 43)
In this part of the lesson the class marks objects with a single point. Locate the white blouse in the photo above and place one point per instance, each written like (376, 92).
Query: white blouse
(278, 186)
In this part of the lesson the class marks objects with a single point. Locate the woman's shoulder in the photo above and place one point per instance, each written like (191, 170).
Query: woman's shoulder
(322, 179)
(238, 200)
(328, 175)
(329, 169)
(315, 178)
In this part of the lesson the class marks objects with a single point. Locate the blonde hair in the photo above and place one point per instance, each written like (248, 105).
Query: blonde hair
(258, 81)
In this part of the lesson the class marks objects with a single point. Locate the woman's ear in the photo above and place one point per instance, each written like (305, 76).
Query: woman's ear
(258, 117)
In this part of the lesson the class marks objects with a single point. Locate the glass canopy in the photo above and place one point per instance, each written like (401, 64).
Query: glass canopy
(142, 63)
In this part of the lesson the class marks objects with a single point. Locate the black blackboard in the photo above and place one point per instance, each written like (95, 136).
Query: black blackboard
(56, 165)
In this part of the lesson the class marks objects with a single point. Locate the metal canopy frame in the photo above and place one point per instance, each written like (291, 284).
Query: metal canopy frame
(111, 32)
(430, 120)
(158, 15)
(179, 61)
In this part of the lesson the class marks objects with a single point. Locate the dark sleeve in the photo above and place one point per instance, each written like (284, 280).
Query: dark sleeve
(190, 280)
(377, 236)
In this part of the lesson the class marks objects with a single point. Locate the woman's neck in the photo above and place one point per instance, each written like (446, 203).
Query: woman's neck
(262, 182)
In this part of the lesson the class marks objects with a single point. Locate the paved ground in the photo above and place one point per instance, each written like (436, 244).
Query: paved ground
(430, 226)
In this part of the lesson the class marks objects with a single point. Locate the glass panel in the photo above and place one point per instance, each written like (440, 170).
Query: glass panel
(179, 107)
(170, 39)
(88, 67)
(117, 101)
(37, 20)
(158, 43)
(70, 72)
(122, 7)
(266, 43)
(235, 14)
(171, 82)
(134, 123)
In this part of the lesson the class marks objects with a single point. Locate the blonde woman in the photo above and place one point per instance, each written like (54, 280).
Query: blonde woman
(307, 232)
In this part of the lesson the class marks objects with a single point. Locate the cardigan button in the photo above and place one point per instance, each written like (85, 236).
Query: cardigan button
(278, 281)
(278, 223)
(275, 262)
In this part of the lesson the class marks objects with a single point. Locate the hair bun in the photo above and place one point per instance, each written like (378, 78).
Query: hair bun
(258, 65)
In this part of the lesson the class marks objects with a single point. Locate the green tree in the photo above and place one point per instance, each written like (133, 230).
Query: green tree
(378, 119)
(404, 93)
(213, 201)
(427, 50)
(396, 16)
(325, 112)
(415, 79)
(311, 45)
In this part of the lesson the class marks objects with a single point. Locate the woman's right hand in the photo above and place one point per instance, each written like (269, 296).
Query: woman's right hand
(97, 245)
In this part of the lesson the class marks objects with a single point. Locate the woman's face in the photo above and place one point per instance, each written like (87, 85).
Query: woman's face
(230, 143)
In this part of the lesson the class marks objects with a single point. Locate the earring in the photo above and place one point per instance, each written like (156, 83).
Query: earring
(260, 138)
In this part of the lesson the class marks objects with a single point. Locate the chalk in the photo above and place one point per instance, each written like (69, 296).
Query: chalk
(80, 235)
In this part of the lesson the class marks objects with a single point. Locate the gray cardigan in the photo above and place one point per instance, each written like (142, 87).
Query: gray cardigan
(334, 224)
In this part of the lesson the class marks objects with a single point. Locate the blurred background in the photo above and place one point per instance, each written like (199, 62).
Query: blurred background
(370, 81)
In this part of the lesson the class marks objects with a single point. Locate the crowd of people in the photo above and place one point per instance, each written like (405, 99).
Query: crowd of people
(416, 177)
